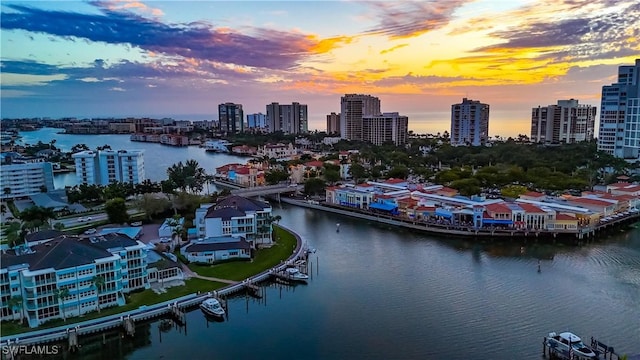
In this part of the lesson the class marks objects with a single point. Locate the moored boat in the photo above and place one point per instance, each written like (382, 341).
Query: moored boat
(295, 274)
(571, 345)
(212, 307)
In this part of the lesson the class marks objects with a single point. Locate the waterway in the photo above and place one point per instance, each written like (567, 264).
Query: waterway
(157, 157)
(384, 293)
(379, 292)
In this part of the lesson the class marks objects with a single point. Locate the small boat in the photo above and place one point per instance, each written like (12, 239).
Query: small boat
(212, 307)
(295, 274)
(570, 343)
(219, 146)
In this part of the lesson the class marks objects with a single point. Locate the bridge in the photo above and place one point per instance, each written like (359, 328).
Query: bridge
(259, 190)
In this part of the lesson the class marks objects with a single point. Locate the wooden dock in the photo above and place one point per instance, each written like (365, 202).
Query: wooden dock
(601, 350)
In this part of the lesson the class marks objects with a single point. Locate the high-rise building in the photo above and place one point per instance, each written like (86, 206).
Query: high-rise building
(352, 108)
(567, 122)
(290, 119)
(333, 123)
(19, 180)
(388, 127)
(231, 118)
(469, 123)
(256, 121)
(619, 132)
(108, 166)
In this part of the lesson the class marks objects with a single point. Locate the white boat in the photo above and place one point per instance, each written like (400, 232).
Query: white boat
(295, 274)
(566, 341)
(217, 146)
(211, 306)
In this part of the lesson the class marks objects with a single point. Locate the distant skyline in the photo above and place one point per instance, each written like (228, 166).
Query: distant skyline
(182, 59)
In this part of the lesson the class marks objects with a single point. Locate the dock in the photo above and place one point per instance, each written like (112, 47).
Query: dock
(602, 351)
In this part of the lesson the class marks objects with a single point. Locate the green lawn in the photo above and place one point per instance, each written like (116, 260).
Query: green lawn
(265, 259)
(134, 301)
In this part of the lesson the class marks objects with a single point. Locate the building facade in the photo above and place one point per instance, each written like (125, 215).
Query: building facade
(567, 122)
(20, 180)
(108, 166)
(231, 118)
(257, 121)
(388, 127)
(290, 119)
(333, 123)
(469, 123)
(353, 107)
(619, 131)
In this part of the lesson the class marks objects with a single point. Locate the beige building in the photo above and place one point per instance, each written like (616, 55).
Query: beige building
(567, 122)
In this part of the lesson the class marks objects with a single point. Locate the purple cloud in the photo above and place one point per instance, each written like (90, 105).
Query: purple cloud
(272, 49)
(406, 19)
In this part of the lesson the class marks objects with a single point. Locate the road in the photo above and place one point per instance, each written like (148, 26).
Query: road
(73, 221)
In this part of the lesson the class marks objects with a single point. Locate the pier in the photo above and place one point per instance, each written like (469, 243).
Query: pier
(602, 351)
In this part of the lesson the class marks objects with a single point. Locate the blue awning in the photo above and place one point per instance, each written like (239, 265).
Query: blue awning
(383, 206)
(494, 221)
(443, 213)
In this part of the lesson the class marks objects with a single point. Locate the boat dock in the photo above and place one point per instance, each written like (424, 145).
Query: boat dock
(602, 351)
(174, 308)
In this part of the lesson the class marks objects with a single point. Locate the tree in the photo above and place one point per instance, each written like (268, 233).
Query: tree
(357, 172)
(61, 294)
(99, 282)
(116, 210)
(16, 303)
(13, 233)
(79, 147)
(58, 226)
(37, 215)
(152, 204)
(314, 186)
(7, 190)
(331, 176)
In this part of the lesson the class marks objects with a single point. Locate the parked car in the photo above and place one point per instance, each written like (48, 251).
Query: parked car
(90, 231)
(84, 219)
(136, 223)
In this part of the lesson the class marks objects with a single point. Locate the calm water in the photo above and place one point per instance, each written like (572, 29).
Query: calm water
(157, 158)
(385, 293)
(382, 293)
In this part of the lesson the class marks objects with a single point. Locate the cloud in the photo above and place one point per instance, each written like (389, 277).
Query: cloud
(116, 5)
(407, 19)
(198, 40)
(393, 48)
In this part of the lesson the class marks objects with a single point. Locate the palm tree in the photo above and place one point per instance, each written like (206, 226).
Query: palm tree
(277, 219)
(61, 294)
(15, 302)
(98, 282)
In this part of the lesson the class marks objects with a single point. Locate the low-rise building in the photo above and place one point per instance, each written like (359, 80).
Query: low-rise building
(215, 249)
(22, 180)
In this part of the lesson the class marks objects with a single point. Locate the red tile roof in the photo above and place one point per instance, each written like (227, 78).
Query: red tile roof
(530, 208)
(533, 194)
(425, 208)
(562, 216)
(394, 181)
(316, 164)
(498, 208)
(590, 201)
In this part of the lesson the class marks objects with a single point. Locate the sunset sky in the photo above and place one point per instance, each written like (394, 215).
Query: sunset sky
(181, 59)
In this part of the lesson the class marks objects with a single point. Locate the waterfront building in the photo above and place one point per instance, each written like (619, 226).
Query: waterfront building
(277, 151)
(161, 269)
(108, 166)
(290, 119)
(333, 123)
(619, 132)
(38, 274)
(256, 121)
(213, 249)
(353, 107)
(567, 122)
(237, 217)
(469, 123)
(388, 127)
(231, 118)
(22, 180)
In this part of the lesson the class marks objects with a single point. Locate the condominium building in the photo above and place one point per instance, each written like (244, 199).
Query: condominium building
(20, 180)
(231, 118)
(388, 127)
(469, 123)
(567, 122)
(108, 166)
(290, 119)
(94, 273)
(619, 132)
(237, 217)
(352, 108)
(256, 121)
(333, 123)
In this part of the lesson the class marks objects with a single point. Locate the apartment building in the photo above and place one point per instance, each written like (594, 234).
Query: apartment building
(619, 131)
(231, 118)
(353, 107)
(108, 166)
(469, 123)
(290, 119)
(333, 123)
(388, 127)
(567, 122)
(95, 273)
(20, 180)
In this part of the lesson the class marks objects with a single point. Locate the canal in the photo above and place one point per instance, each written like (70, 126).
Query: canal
(380, 292)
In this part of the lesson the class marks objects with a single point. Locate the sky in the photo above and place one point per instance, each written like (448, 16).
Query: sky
(181, 59)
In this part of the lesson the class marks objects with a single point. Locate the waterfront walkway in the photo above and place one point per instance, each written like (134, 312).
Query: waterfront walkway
(145, 312)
